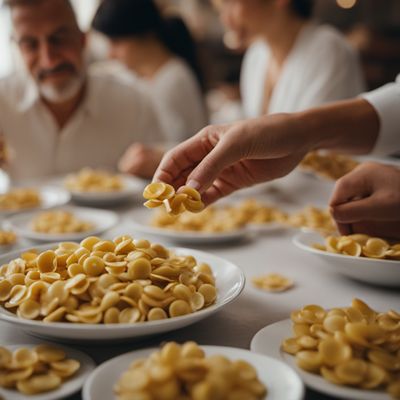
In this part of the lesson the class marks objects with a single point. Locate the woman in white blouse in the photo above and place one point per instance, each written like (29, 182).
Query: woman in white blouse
(291, 63)
(161, 51)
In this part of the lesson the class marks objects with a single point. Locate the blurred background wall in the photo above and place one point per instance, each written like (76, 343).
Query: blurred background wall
(373, 26)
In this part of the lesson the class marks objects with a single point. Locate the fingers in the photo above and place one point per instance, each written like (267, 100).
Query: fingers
(384, 229)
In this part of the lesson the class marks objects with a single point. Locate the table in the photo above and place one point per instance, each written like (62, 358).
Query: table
(236, 324)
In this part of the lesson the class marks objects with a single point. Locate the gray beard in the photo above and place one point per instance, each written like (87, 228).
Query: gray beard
(55, 94)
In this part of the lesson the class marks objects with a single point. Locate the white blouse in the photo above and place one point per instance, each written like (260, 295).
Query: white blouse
(386, 101)
(178, 100)
(321, 67)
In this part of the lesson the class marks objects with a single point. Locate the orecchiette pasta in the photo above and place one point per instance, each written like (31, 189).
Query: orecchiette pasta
(360, 245)
(103, 281)
(38, 370)
(330, 166)
(175, 203)
(18, 199)
(313, 218)
(184, 372)
(273, 283)
(220, 219)
(89, 180)
(59, 222)
(7, 238)
(354, 346)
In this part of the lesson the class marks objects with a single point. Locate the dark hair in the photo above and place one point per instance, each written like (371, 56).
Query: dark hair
(303, 8)
(136, 18)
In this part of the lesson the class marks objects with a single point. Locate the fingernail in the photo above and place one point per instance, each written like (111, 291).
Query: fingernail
(193, 184)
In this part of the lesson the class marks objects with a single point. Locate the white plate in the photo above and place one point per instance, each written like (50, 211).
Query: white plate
(282, 382)
(141, 219)
(51, 196)
(268, 342)
(102, 221)
(230, 282)
(378, 272)
(132, 190)
(72, 385)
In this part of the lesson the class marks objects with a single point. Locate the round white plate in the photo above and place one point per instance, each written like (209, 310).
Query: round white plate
(72, 385)
(268, 342)
(141, 219)
(281, 381)
(230, 282)
(132, 190)
(378, 272)
(102, 221)
(51, 196)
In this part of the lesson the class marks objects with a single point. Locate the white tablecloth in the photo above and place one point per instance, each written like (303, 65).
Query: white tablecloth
(273, 252)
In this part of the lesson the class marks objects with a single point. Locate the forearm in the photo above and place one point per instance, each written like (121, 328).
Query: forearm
(349, 126)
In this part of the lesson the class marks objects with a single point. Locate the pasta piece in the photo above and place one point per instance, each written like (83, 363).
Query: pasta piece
(354, 346)
(273, 283)
(183, 371)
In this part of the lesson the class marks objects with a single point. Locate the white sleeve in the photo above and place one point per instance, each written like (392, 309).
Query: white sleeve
(386, 101)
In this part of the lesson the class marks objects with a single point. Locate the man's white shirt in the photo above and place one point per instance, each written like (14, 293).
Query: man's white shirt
(112, 116)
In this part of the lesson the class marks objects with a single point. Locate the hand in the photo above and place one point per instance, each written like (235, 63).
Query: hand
(222, 159)
(367, 200)
(140, 160)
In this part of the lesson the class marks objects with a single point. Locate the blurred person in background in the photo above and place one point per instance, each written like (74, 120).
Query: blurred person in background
(56, 117)
(291, 63)
(161, 51)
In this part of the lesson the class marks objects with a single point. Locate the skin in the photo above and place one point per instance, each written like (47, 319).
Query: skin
(367, 200)
(52, 48)
(222, 159)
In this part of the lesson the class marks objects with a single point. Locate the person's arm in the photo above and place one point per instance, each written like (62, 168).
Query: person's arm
(222, 159)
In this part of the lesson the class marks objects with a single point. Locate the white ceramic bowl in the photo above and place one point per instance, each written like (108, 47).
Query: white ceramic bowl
(378, 272)
(282, 382)
(51, 196)
(132, 190)
(268, 342)
(230, 282)
(70, 386)
(102, 221)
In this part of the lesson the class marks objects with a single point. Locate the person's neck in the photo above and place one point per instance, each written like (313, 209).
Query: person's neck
(282, 38)
(157, 56)
(62, 112)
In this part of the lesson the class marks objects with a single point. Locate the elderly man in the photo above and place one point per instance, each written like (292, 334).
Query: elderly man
(57, 117)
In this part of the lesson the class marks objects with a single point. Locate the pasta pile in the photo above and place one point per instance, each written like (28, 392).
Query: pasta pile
(101, 281)
(354, 346)
(7, 238)
(313, 218)
(329, 166)
(184, 372)
(220, 219)
(185, 198)
(59, 222)
(38, 370)
(89, 180)
(273, 283)
(360, 245)
(18, 199)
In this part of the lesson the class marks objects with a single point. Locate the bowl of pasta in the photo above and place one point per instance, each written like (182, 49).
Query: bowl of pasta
(361, 257)
(112, 289)
(102, 188)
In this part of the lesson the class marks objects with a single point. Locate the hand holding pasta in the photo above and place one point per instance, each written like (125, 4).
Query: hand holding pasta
(185, 372)
(185, 198)
(368, 201)
(38, 370)
(354, 346)
(103, 281)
